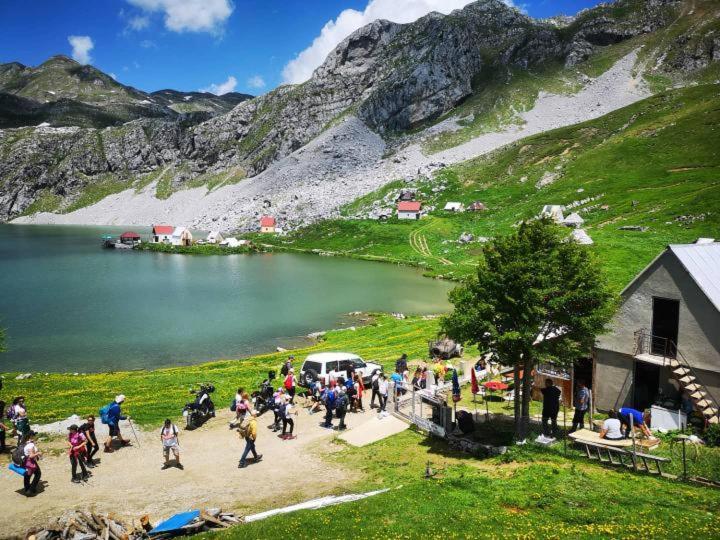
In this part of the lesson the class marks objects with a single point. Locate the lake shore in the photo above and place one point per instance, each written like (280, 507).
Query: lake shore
(153, 395)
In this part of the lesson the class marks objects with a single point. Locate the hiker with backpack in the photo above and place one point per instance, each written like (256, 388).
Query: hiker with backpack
(341, 406)
(290, 384)
(248, 432)
(170, 443)
(78, 450)
(287, 414)
(287, 366)
(375, 386)
(317, 395)
(91, 442)
(401, 364)
(358, 388)
(17, 412)
(27, 454)
(329, 400)
(111, 414)
(278, 400)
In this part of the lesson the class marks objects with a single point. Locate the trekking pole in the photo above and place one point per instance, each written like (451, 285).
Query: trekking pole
(133, 430)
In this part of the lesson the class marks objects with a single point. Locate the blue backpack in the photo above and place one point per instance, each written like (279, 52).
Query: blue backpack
(104, 413)
(330, 399)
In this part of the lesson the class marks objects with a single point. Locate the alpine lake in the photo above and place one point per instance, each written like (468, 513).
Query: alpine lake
(68, 305)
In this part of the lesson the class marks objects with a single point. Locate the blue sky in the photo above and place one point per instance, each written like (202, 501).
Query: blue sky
(246, 45)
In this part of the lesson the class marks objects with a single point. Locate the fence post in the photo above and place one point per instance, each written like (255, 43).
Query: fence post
(632, 430)
(564, 430)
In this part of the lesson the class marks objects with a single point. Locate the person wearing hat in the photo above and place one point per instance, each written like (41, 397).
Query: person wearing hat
(31, 454)
(114, 416)
(78, 449)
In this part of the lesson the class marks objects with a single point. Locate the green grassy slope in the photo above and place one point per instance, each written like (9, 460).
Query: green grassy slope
(528, 493)
(159, 394)
(654, 164)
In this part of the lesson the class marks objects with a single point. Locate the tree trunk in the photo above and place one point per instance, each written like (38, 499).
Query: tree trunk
(516, 402)
(527, 379)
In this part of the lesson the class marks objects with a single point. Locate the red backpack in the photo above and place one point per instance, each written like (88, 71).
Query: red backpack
(289, 381)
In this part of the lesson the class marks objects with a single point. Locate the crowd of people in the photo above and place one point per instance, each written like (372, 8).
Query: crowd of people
(335, 397)
(618, 425)
(82, 442)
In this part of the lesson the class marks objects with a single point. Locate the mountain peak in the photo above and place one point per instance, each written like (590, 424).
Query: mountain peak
(59, 60)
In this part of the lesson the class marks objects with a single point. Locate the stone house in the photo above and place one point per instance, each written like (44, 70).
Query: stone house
(665, 338)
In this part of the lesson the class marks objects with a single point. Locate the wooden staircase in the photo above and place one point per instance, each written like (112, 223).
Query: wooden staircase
(682, 371)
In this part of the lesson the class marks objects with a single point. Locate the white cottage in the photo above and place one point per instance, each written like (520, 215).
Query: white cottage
(162, 234)
(554, 212)
(454, 207)
(215, 237)
(573, 220)
(408, 210)
(181, 236)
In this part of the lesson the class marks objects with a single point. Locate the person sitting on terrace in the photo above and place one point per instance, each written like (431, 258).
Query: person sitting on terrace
(611, 428)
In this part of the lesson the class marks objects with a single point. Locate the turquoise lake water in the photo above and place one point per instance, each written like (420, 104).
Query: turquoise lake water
(70, 306)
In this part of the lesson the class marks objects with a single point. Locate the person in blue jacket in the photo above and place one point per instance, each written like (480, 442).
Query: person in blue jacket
(114, 415)
(638, 420)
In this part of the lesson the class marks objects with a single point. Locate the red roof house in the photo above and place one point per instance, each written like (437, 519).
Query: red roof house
(162, 233)
(267, 224)
(162, 229)
(408, 210)
(409, 206)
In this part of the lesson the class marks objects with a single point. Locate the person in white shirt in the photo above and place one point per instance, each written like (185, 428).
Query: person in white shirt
(32, 468)
(611, 428)
(170, 443)
(383, 389)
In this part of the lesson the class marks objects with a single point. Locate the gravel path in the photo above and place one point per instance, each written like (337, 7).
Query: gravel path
(343, 164)
(130, 482)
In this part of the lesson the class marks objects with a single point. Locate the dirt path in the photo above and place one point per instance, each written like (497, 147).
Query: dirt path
(418, 242)
(130, 481)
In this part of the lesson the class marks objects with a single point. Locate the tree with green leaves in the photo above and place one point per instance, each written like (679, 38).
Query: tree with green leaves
(538, 297)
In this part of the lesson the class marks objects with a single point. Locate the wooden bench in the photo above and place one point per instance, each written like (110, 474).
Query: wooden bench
(620, 456)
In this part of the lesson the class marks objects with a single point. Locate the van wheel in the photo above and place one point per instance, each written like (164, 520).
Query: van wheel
(310, 377)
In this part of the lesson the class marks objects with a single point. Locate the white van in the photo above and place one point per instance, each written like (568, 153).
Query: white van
(325, 366)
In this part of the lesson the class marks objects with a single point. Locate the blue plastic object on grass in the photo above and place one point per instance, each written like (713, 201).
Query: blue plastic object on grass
(175, 523)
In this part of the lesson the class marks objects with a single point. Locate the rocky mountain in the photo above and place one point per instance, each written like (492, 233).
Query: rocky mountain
(199, 102)
(62, 92)
(395, 79)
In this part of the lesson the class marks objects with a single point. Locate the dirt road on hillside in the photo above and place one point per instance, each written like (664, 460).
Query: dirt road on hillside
(130, 481)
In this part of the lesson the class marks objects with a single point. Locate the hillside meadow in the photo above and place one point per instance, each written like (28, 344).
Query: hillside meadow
(652, 165)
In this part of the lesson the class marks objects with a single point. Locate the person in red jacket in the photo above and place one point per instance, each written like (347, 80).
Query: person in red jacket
(78, 449)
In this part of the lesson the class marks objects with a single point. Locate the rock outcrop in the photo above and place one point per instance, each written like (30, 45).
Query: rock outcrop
(392, 77)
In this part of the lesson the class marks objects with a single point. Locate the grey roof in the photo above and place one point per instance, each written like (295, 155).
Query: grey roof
(702, 262)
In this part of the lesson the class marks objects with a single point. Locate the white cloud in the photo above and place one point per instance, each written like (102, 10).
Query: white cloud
(113, 75)
(189, 15)
(400, 11)
(256, 82)
(81, 47)
(139, 22)
(148, 44)
(222, 88)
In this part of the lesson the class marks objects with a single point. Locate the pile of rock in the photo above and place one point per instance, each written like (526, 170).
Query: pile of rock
(475, 448)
